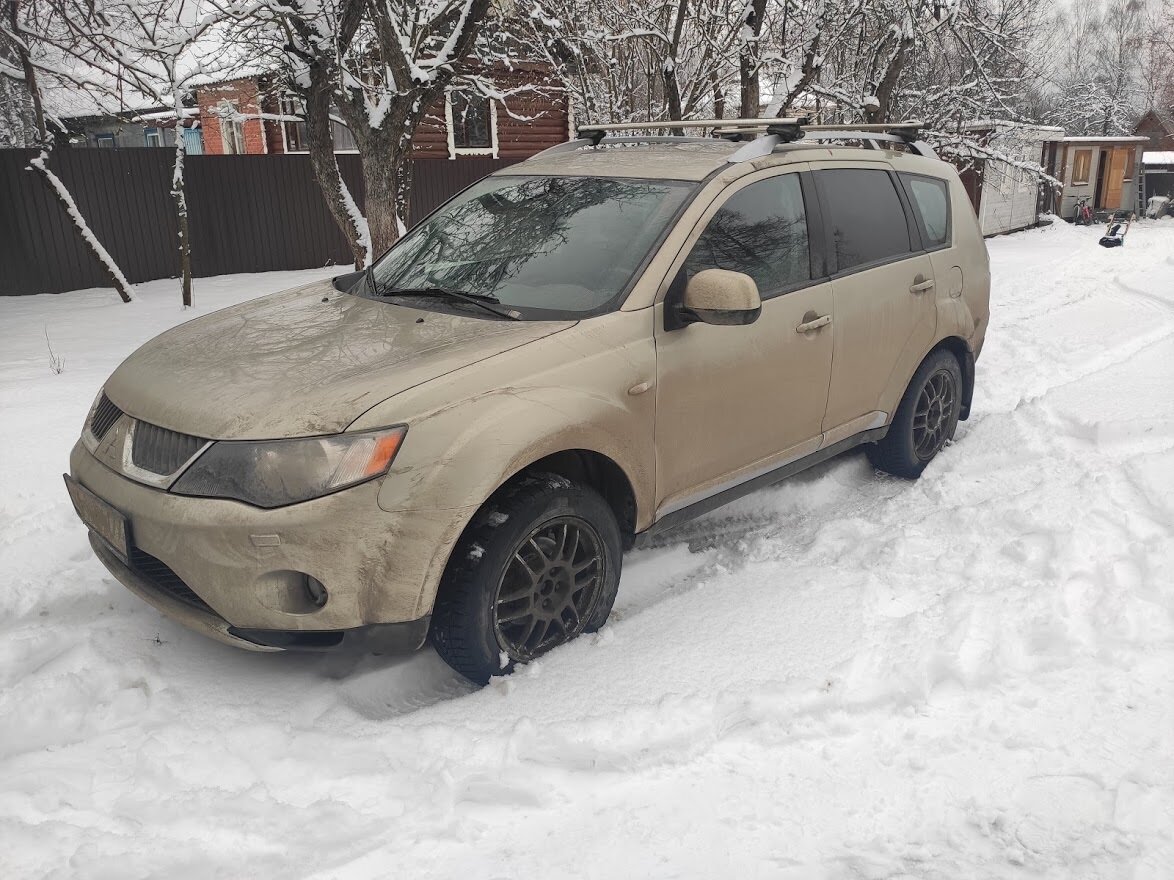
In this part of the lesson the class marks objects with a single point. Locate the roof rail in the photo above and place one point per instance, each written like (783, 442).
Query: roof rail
(778, 131)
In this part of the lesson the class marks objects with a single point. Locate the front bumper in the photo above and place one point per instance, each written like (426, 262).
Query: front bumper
(237, 573)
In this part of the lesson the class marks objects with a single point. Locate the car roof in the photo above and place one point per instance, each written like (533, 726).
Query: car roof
(695, 159)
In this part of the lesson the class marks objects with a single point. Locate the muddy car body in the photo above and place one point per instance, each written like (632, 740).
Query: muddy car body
(469, 444)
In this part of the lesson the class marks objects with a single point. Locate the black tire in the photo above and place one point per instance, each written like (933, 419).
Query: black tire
(479, 617)
(926, 418)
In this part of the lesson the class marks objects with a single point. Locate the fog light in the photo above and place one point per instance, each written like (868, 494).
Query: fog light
(316, 591)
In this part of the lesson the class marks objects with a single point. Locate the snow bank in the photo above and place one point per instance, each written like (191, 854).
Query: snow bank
(848, 676)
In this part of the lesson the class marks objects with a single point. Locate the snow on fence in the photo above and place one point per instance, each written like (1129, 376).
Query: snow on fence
(247, 214)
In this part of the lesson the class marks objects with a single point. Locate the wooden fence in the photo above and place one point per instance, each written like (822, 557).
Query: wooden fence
(247, 214)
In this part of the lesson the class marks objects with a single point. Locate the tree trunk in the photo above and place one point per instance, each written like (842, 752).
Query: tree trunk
(750, 87)
(381, 174)
(179, 193)
(320, 142)
(887, 88)
(672, 89)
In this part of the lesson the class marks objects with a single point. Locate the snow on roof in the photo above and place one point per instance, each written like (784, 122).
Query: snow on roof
(1106, 139)
(983, 124)
(1160, 157)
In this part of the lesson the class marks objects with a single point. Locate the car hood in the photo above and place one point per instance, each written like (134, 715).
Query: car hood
(305, 361)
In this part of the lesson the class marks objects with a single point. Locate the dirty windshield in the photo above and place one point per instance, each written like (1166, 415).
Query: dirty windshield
(542, 247)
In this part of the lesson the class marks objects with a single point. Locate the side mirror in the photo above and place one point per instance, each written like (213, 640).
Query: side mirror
(718, 296)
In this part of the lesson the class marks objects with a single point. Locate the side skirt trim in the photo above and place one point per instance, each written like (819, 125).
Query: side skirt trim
(719, 499)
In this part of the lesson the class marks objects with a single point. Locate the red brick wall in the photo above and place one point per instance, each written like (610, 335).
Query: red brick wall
(244, 93)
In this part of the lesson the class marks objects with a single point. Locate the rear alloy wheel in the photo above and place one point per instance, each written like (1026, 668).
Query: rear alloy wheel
(925, 420)
(538, 566)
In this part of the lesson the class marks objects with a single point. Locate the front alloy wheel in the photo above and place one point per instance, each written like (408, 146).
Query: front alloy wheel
(549, 587)
(538, 565)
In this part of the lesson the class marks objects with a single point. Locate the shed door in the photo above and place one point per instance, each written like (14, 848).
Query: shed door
(1114, 177)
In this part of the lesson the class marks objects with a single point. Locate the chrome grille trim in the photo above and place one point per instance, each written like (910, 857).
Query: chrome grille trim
(162, 451)
(106, 413)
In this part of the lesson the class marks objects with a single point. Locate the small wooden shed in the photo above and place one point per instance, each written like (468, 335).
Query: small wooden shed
(1001, 178)
(1103, 169)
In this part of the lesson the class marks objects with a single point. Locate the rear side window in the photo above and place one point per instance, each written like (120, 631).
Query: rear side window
(761, 231)
(931, 201)
(866, 216)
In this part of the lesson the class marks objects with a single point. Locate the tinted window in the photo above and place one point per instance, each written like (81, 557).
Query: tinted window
(866, 216)
(762, 231)
(547, 246)
(932, 204)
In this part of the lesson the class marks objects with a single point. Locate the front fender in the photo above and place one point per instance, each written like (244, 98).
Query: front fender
(462, 453)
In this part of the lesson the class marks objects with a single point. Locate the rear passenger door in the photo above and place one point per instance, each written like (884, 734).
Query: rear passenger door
(883, 295)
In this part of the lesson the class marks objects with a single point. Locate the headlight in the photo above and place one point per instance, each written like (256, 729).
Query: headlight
(274, 473)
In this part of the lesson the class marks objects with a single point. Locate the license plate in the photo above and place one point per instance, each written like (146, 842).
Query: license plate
(99, 516)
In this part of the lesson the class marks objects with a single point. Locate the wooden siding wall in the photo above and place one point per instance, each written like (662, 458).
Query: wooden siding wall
(534, 117)
(247, 214)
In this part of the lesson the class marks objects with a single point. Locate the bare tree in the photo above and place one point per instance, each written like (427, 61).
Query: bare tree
(153, 47)
(380, 66)
(27, 45)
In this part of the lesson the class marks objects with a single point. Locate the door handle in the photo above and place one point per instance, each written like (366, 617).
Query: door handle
(813, 324)
(921, 284)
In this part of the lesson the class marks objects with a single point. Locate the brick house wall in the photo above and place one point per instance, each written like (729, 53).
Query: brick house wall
(244, 94)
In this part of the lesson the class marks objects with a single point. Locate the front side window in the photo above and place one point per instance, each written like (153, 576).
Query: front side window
(472, 124)
(105, 140)
(931, 201)
(761, 231)
(866, 216)
(154, 137)
(1081, 165)
(544, 246)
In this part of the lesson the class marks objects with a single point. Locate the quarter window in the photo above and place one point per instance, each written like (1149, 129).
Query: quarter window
(761, 231)
(932, 203)
(866, 216)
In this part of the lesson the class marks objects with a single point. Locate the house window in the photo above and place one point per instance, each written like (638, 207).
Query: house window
(1081, 165)
(232, 134)
(294, 130)
(154, 137)
(472, 124)
(105, 140)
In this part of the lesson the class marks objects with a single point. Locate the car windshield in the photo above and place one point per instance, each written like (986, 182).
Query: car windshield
(543, 247)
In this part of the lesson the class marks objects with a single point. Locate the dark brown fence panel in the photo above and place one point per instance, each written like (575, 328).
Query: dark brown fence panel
(247, 214)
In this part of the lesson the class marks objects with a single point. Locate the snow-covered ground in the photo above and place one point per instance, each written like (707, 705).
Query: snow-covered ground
(847, 676)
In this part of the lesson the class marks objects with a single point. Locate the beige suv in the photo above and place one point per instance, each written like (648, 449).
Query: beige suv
(573, 354)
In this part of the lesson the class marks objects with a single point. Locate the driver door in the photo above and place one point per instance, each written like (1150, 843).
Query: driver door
(735, 402)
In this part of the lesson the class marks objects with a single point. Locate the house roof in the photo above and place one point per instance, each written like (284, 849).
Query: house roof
(1159, 157)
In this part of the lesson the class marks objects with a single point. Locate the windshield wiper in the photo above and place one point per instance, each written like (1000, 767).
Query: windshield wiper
(486, 301)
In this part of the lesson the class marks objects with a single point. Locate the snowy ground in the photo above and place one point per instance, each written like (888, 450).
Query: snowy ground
(847, 676)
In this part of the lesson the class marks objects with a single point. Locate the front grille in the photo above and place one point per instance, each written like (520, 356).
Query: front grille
(104, 417)
(166, 581)
(161, 451)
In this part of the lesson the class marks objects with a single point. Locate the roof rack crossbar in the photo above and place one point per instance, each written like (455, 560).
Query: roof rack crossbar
(778, 131)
